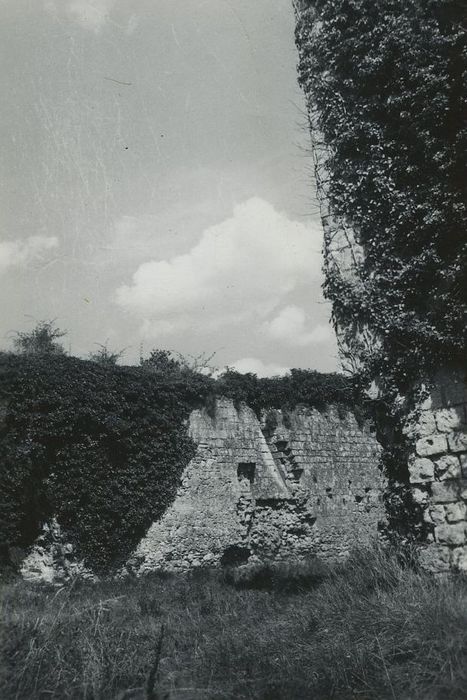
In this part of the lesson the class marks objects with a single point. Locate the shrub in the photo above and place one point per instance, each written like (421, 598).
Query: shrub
(42, 340)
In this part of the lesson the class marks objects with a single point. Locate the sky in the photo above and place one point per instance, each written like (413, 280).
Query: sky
(157, 187)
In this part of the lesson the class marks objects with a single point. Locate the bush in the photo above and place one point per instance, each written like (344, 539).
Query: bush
(42, 340)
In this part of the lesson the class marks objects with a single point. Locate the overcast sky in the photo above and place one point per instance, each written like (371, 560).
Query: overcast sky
(156, 181)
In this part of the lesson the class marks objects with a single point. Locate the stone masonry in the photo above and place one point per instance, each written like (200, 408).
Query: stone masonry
(288, 486)
(438, 470)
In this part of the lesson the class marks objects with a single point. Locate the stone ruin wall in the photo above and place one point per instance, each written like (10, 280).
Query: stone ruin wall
(292, 485)
(438, 470)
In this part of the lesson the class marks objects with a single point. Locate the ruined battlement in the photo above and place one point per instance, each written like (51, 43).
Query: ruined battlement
(288, 485)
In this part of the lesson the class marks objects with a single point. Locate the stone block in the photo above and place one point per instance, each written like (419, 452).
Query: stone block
(448, 467)
(450, 388)
(433, 445)
(458, 441)
(456, 512)
(453, 534)
(427, 403)
(435, 558)
(435, 514)
(421, 425)
(421, 469)
(426, 424)
(463, 461)
(448, 419)
(459, 559)
(445, 491)
(420, 496)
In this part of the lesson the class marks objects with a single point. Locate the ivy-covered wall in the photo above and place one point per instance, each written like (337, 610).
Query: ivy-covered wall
(100, 448)
(288, 485)
(91, 454)
(386, 90)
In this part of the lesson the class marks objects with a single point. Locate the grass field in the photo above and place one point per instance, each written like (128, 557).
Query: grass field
(372, 628)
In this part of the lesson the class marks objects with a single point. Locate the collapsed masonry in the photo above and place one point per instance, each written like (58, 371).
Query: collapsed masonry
(291, 485)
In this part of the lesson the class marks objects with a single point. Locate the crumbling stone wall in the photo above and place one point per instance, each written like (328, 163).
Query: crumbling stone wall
(291, 485)
(52, 559)
(438, 470)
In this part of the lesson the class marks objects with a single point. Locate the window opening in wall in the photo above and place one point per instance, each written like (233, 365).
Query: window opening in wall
(246, 472)
(296, 474)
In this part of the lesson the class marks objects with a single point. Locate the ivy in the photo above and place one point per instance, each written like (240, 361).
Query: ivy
(388, 81)
(300, 387)
(386, 84)
(102, 447)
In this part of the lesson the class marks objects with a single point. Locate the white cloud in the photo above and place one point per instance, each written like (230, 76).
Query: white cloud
(240, 270)
(133, 24)
(290, 327)
(258, 367)
(91, 14)
(22, 253)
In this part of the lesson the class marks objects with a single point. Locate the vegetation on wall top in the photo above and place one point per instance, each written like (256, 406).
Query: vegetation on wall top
(101, 447)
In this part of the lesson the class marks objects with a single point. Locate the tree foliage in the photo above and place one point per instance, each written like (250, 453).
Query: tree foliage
(105, 356)
(42, 340)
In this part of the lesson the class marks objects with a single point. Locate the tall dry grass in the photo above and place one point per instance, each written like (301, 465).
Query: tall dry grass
(372, 628)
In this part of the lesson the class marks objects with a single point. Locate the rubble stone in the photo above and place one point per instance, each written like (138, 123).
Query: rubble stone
(432, 445)
(451, 534)
(448, 467)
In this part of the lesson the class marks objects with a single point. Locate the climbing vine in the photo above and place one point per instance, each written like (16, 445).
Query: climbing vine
(386, 86)
(101, 447)
(98, 446)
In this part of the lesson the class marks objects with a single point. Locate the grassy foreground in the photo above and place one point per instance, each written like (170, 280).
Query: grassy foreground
(372, 628)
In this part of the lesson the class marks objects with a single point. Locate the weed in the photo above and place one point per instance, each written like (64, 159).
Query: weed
(373, 628)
